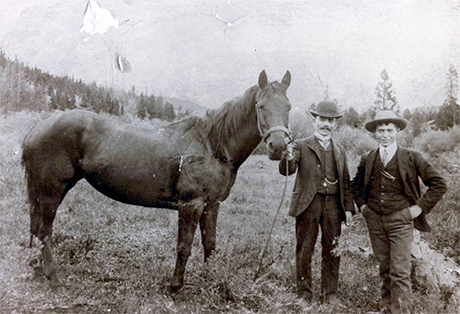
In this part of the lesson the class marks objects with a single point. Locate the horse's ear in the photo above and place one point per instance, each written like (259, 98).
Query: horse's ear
(286, 79)
(263, 81)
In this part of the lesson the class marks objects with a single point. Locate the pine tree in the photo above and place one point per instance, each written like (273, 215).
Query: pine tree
(418, 120)
(449, 113)
(351, 118)
(386, 99)
(451, 100)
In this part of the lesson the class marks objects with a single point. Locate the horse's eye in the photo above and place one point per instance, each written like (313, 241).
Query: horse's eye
(259, 106)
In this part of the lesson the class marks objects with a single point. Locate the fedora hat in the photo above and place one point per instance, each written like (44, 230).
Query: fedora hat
(384, 117)
(327, 109)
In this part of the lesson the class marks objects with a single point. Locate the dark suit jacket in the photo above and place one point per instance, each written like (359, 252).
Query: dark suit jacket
(310, 175)
(411, 167)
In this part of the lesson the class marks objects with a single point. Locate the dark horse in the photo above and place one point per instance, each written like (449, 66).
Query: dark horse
(189, 166)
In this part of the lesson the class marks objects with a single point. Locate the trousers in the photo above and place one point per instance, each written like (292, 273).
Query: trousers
(323, 211)
(391, 238)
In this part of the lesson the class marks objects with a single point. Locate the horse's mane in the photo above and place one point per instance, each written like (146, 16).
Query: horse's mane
(220, 123)
(225, 121)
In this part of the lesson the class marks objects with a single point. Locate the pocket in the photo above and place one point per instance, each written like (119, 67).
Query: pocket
(407, 215)
(402, 215)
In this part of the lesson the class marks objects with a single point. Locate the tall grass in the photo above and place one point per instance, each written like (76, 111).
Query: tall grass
(118, 258)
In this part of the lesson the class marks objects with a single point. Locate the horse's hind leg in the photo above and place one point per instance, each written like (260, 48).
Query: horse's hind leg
(42, 213)
(208, 224)
(189, 216)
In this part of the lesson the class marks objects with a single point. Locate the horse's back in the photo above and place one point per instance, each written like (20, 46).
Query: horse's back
(51, 149)
(58, 127)
(132, 164)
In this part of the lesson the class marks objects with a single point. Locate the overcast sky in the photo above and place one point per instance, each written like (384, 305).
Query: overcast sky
(212, 51)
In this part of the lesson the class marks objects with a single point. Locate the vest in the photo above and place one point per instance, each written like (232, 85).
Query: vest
(386, 194)
(331, 185)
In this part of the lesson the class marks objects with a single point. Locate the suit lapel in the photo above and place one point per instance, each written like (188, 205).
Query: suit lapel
(403, 159)
(338, 158)
(369, 165)
(313, 144)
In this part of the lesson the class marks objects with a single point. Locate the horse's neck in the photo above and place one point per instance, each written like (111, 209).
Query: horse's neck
(240, 142)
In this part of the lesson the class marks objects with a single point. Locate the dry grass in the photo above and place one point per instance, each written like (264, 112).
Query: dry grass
(116, 258)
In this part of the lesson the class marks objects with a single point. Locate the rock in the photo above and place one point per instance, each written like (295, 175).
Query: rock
(435, 272)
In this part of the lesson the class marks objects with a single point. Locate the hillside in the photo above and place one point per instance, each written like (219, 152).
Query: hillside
(26, 88)
(186, 107)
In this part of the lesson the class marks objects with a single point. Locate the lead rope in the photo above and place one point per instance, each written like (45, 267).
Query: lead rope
(273, 224)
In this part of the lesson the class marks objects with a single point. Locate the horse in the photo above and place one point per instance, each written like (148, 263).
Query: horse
(189, 165)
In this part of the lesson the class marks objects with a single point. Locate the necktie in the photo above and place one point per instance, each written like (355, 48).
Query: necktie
(384, 157)
(324, 143)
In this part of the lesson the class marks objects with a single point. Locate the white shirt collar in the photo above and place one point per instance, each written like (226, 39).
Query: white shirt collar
(323, 140)
(391, 150)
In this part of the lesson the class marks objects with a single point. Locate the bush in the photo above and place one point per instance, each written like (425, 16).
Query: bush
(356, 143)
(435, 143)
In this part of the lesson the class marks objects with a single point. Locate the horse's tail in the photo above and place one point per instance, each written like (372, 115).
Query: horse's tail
(32, 190)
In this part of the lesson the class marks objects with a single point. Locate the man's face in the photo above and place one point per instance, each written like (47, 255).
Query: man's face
(323, 125)
(386, 134)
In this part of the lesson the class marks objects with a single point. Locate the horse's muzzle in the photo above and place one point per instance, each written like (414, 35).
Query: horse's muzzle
(277, 143)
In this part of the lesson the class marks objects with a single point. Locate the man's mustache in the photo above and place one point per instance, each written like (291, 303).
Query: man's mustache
(325, 127)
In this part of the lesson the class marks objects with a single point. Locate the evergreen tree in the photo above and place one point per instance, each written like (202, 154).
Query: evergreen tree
(351, 118)
(386, 99)
(417, 122)
(169, 114)
(449, 113)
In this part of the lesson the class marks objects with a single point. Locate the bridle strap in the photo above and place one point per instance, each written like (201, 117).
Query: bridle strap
(276, 128)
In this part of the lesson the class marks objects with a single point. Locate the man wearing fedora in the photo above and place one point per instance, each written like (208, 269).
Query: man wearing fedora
(387, 192)
(322, 197)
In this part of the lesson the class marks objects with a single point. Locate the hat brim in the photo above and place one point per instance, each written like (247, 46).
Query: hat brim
(315, 114)
(401, 123)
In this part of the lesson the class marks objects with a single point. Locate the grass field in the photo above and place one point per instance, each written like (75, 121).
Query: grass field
(116, 258)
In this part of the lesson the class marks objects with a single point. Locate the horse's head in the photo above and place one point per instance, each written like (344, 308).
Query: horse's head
(273, 114)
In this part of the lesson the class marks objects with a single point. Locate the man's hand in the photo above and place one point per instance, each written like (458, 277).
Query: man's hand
(288, 152)
(348, 218)
(415, 211)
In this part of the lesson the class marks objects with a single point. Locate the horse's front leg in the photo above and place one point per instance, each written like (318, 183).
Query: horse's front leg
(189, 216)
(208, 224)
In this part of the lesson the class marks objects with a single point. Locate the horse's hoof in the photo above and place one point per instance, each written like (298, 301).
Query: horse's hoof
(58, 289)
(39, 271)
(56, 284)
(174, 288)
(34, 262)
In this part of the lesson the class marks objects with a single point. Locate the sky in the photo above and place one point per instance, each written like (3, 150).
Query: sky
(212, 51)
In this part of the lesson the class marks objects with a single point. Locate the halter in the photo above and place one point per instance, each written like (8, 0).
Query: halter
(271, 130)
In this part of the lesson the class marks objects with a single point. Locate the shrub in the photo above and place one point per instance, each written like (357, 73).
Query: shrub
(435, 143)
(356, 143)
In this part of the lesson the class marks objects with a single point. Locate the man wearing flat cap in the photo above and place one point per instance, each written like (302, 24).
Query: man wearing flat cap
(387, 192)
(322, 197)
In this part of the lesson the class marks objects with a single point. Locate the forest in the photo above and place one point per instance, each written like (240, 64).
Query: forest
(25, 88)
